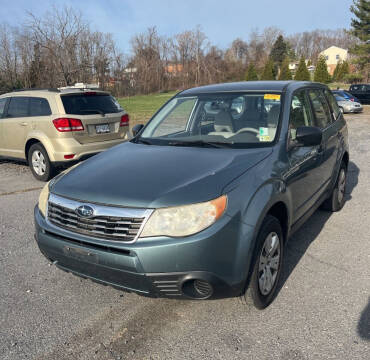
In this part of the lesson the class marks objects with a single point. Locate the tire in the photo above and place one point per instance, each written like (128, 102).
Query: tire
(336, 200)
(39, 162)
(260, 292)
(341, 109)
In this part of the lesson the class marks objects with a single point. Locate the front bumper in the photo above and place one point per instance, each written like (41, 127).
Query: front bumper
(354, 110)
(157, 267)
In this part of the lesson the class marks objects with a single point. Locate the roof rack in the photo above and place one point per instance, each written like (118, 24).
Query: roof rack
(38, 89)
(81, 87)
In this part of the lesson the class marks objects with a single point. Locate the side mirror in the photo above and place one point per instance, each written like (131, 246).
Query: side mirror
(308, 136)
(136, 129)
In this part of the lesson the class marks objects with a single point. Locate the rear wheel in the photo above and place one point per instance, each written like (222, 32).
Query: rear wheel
(39, 162)
(337, 198)
(267, 265)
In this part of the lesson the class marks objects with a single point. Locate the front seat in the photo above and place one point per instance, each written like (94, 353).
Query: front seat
(273, 116)
(223, 122)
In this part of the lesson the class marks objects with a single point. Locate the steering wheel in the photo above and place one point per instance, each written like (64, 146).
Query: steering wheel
(247, 129)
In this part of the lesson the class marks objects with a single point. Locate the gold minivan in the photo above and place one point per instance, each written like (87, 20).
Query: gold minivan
(54, 127)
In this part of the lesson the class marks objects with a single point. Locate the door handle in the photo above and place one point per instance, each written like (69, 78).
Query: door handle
(23, 124)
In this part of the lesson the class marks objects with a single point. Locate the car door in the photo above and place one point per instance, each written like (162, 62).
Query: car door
(303, 176)
(330, 140)
(3, 103)
(15, 125)
(366, 97)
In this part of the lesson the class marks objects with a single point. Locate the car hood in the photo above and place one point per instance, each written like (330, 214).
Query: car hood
(150, 176)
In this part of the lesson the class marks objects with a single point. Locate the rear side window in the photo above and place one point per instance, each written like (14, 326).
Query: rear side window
(2, 106)
(39, 107)
(333, 104)
(91, 103)
(320, 108)
(18, 107)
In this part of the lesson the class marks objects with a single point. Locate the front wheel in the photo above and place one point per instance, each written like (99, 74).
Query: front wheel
(39, 162)
(267, 265)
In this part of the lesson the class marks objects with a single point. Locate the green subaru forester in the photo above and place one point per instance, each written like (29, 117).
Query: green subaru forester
(200, 203)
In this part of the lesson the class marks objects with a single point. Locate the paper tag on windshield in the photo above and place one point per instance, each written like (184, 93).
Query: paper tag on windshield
(272, 97)
(264, 138)
(264, 131)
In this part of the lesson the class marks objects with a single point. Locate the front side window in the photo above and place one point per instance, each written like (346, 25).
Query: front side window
(300, 114)
(18, 107)
(333, 104)
(90, 103)
(320, 108)
(233, 120)
(2, 106)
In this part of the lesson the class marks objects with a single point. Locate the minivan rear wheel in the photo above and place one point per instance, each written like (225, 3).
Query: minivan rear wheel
(267, 264)
(39, 162)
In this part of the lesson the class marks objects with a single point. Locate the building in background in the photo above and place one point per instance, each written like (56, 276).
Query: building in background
(333, 55)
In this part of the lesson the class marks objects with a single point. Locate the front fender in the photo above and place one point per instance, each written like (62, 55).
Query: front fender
(253, 209)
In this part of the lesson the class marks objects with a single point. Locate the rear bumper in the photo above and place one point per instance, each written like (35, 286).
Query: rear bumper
(153, 270)
(80, 151)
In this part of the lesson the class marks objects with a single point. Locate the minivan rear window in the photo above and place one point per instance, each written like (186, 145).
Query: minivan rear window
(90, 103)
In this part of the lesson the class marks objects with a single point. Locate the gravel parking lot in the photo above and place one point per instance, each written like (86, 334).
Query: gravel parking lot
(322, 310)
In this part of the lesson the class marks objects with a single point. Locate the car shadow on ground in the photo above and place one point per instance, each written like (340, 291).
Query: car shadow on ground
(363, 326)
(302, 239)
(12, 161)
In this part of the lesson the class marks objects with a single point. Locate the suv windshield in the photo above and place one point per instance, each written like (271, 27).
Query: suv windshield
(233, 120)
(90, 103)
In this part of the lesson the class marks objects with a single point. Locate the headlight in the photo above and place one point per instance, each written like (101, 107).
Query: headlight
(43, 199)
(184, 220)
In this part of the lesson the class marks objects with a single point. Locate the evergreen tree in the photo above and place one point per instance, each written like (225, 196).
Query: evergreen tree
(344, 70)
(285, 73)
(279, 50)
(337, 71)
(302, 73)
(268, 71)
(361, 29)
(251, 74)
(341, 71)
(321, 71)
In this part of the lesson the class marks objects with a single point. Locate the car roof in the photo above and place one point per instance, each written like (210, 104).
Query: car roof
(275, 86)
(44, 92)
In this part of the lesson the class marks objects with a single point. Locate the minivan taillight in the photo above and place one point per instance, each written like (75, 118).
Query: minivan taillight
(124, 120)
(68, 124)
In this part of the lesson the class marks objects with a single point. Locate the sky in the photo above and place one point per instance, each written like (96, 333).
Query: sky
(222, 21)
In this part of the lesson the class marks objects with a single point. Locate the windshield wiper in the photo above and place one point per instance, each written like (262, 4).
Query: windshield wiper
(94, 111)
(214, 144)
(141, 141)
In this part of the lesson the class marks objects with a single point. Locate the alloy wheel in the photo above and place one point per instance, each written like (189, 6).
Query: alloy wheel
(341, 185)
(38, 163)
(269, 263)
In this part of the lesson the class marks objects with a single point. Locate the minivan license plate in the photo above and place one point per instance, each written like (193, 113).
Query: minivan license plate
(102, 129)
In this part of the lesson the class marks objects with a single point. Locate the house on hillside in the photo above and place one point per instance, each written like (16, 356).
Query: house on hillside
(293, 66)
(333, 55)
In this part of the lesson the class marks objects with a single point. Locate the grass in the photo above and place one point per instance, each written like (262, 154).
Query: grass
(336, 85)
(142, 107)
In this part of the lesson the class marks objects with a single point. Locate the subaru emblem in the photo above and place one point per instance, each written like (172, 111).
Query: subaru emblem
(85, 211)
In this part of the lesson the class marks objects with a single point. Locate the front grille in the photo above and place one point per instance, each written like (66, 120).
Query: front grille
(102, 225)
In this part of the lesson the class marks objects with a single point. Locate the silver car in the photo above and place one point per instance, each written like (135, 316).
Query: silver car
(348, 106)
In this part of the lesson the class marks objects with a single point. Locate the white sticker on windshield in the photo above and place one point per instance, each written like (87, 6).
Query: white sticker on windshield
(264, 131)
